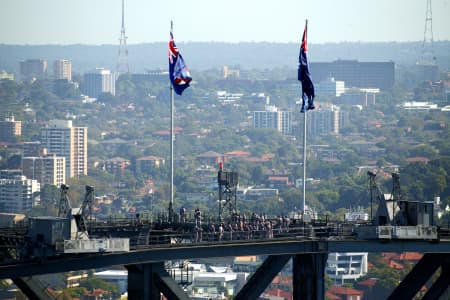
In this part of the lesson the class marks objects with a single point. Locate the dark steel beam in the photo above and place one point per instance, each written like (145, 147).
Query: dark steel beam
(308, 276)
(418, 276)
(441, 284)
(167, 285)
(66, 263)
(92, 261)
(263, 276)
(32, 288)
(140, 283)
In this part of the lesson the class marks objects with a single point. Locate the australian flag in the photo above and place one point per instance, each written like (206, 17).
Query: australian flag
(304, 75)
(178, 72)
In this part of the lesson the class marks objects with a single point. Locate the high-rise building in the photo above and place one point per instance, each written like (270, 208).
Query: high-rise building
(273, 118)
(62, 139)
(98, 82)
(326, 120)
(10, 129)
(48, 169)
(33, 69)
(32, 149)
(356, 74)
(62, 69)
(18, 194)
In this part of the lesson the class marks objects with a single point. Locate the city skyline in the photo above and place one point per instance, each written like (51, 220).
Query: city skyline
(99, 22)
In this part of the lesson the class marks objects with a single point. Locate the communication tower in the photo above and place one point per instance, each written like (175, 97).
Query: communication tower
(122, 63)
(427, 44)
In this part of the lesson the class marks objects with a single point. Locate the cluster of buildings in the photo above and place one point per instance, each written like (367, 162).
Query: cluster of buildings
(60, 153)
(95, 82)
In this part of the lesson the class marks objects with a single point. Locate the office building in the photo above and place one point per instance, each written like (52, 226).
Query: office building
(356, 74)
(48, 169)
(330, 87)
(33, 69)
(98, 82)
(62, 69)
(10, 129)
(18, 194)
(273, 118)
(63, 139)
(326, 120)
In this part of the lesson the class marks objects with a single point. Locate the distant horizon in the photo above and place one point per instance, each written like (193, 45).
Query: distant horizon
(231, 43)
(86, 22)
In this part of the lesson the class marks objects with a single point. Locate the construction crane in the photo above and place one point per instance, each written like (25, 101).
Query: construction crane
(79, 215)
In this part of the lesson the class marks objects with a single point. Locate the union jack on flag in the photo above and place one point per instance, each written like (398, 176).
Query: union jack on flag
(178, 72)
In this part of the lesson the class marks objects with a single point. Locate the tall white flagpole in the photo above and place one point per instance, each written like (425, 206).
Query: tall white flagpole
(304, 144)
(304, 162)
(171, 144)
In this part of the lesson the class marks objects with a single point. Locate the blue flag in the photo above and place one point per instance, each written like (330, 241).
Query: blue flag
(178, 72)
(304, 75)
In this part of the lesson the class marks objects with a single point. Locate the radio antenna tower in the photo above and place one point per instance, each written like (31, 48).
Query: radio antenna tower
(427, 44)
(122, 63)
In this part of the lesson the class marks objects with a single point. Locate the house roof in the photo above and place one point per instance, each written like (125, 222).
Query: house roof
(368, 282)
(395, 265)
(278, 178)
(331, 296)
(238, 153)
(417, 159)
(341, 290)
(411, 256)
(280, 293)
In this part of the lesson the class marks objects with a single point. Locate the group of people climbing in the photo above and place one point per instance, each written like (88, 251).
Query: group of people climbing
(238, 227)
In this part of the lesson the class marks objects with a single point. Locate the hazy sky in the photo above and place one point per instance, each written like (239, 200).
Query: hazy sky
(99, 21)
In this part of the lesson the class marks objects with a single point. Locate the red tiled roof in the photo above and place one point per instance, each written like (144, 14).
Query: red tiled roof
(410, 256)
(238, 153)
(278, 178)
(341, 290)
(280, 293)
(395, 265)
(332, 296)
(368, 282)
(417, 159)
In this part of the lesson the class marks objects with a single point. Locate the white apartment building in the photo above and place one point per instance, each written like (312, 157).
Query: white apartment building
(98, 82)
(49, 169)
(62, 69)
(63, 139)
(273, 118)
(17, 193)
(346, 266)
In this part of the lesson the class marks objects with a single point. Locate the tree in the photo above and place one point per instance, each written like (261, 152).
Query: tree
(96, 283)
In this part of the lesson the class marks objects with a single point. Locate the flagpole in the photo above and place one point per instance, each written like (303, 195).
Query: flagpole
(304, 145)
(171, 144)
(304, 162)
